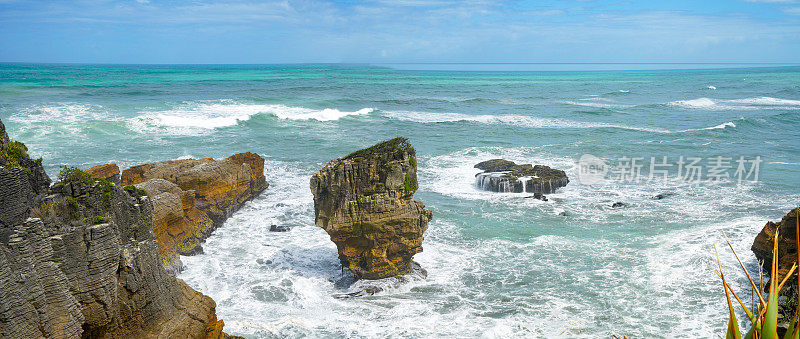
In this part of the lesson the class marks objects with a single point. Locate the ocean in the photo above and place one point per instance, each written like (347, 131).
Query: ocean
(499, 264)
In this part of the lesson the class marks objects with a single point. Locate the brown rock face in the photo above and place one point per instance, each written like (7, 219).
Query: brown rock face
(178, 225)
(787, 249)
(108, 172)
(193, 197)
(87, 265)
(220, 187)
(365, 203)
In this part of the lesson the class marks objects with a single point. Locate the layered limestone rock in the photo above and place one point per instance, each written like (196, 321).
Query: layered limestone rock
(505, 176)
(23, 180)
(86, 264)
(178, 225)
(192, 197)
(220, 187)
(365, 203)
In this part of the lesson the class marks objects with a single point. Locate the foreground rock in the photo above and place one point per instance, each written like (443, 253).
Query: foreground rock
(505, 176)
(787, 249)
(192, 197)
(86, 264)
(787, 255)
(365, 203)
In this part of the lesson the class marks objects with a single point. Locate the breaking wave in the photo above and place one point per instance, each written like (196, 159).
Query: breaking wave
(514, 120)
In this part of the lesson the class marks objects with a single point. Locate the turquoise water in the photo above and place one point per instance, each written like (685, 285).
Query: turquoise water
(498, 264)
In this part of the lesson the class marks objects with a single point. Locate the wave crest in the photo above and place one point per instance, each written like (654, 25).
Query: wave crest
(210, 115)
(513, 120)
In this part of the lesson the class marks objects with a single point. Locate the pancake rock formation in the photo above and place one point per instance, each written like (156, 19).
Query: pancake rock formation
(505, 176)
(365, 203)
(192, 197)
(79, 259)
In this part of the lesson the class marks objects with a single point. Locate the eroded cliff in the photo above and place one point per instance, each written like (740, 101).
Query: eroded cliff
(80, 259)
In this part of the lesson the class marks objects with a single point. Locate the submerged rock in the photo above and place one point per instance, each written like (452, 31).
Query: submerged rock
(365, 203)
(279, 228)
(537, 196)
(618, 204)
(87, 264)
(663, 195)
(501, 175)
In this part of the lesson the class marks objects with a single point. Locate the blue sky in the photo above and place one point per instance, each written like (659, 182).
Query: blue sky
(392, 31)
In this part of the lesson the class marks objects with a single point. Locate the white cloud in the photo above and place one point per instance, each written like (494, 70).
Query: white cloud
(772, 1)
(792, 10)
(546, 12)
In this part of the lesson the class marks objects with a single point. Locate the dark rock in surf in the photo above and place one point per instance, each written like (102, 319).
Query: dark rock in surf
(279, 228)
(663, 195)
(501, 175)
(618, 204)
(537, 196)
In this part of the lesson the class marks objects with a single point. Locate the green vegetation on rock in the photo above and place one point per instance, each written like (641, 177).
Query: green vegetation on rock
(134, 191)
(396, 145)
(410, 184)
(97, 219)
(75, 175)
(13, 152)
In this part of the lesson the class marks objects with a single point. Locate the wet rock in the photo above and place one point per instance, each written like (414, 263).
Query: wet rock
(279, 228)
(501, 175)
(365, 203)
(663, 195)
(618, 204)
(537, 196)
(563, 214)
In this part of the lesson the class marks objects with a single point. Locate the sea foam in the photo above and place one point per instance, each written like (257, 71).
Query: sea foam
(513, 120)
(223, 113)
(737, 104)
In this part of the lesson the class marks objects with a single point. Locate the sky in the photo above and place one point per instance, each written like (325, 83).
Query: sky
(399, 31)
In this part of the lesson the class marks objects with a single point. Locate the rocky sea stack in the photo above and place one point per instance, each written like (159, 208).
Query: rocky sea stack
(80, 260)
(506, 176)
(365, 203)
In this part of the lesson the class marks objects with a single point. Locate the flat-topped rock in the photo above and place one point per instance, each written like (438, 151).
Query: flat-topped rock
(220, 187)
(365, 203)
(191, 197)
(501, 175)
